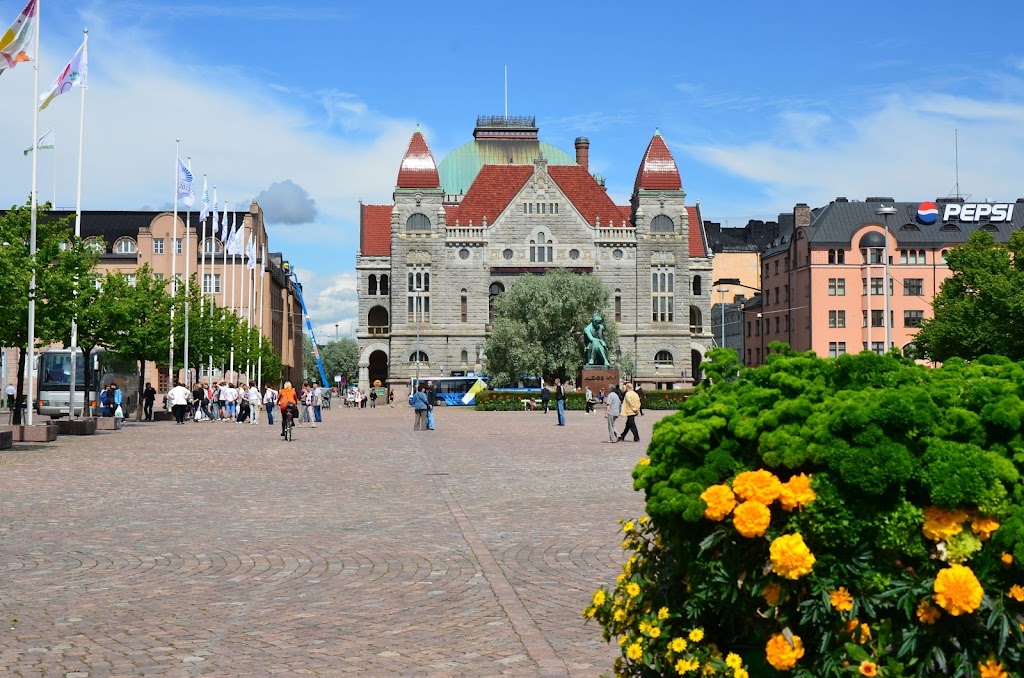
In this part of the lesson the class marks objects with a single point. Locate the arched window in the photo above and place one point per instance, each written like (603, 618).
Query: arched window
(663, 359)
(618, 305)
(696, 286)
(384, 284)
(419, 356)
(465, 357)
(464, 306)
(95, 244)
(662, 224)
(496, 289)
(418, 222)
(125, 246)
(371, 285)
(696, 321)
(212, 246)
(377, 320)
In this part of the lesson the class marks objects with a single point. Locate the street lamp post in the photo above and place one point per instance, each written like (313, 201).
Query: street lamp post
(885, 213)
(335, 331)
(417, 316)
(722, 291)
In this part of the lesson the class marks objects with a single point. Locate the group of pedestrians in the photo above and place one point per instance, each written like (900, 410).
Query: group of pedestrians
(423, 401)
(224, 402)
(619, 402)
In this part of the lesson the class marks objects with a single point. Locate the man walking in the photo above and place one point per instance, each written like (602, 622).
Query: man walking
(269, 403)
(560, 401)
(613, 407)
(318, 403)
(254, 404)
(148, 396)
(432, 399)
(421, 406)
(630, 408)
(545, 397)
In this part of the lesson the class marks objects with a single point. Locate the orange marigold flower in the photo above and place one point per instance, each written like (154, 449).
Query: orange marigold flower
(868, 668)
(927, 613)
(751, 519)
(796, 492)
(760, 485)
(852, 625)
(865, 633)
(1006, 558)
(772, 593)
(720, 501)
(1017, 593)
(790, 557)
(940, 524)
(984, 527)
(781, 655)
(841, 599)
(957, 590)
(992, 668)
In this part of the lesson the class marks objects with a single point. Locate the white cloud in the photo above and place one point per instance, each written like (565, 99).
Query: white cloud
(285, 202)
(330, 299)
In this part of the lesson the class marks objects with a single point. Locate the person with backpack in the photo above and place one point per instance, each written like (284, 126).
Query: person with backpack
(269, 403)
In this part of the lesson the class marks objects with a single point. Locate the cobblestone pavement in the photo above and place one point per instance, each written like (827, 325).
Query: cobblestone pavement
(362, 547)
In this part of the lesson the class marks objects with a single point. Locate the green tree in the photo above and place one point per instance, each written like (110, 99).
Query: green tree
(979, 307)
(340, 357)
(538, 326)
(138, 317)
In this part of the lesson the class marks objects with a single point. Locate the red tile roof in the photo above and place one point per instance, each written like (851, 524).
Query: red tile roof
(451, 212)
(627, 213)
(658, 171)
(490, 193)
(418, 168)
(697, 240)
(586, 195)
(375, 230)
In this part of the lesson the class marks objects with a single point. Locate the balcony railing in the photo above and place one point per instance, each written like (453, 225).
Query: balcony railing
(377, 329)
(616, 235)
(466, 233)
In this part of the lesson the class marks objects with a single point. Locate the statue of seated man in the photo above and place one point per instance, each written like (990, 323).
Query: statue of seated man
(597, 349)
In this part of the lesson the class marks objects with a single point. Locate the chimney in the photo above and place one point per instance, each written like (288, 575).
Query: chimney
(801, 215)
(583, 152)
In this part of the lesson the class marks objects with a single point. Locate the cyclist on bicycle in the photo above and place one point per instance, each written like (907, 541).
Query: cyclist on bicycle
(289, 403)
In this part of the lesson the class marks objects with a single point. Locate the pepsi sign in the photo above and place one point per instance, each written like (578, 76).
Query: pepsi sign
(978, 211)
(927, 212)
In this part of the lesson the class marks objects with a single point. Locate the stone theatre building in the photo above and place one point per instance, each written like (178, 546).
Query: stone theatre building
(506, 204)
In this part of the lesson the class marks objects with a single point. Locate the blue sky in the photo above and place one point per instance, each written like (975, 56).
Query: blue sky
(310, 105)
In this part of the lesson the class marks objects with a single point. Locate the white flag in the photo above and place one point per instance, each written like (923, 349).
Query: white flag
(250, 251)
(185, 190)
(263, 262)
(225, 228)
(205, 208)
(75, 74)
(215, 227)
(237, 239)
(45, 142)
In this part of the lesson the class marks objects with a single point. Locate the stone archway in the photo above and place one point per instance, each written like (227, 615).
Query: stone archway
(378, 368)
(697, 352)
(369, 356)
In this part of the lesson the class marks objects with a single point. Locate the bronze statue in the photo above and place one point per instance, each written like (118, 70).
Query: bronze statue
(596, 350)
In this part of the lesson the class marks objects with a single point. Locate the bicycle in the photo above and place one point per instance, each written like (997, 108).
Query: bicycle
(289, 414)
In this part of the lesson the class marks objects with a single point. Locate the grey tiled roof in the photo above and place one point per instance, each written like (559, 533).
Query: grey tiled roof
(753, 237)
(781, 243)
(835, 224)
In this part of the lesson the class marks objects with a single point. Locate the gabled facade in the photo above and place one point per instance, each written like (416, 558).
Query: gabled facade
(431, 263)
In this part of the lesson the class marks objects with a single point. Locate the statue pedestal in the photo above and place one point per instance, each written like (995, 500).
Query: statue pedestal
(598, 379)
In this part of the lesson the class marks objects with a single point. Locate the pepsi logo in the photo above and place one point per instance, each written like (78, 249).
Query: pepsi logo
(927, 212)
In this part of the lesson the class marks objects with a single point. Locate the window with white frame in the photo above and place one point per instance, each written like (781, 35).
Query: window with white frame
(837, 318)
(158, 245)
(418, 294)
(541, 248)
(125, 246)
(663, 294)
(211, 283)
(177, 245)
(212, 246)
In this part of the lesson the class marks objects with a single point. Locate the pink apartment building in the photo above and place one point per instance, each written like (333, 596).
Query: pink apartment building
(823, 280)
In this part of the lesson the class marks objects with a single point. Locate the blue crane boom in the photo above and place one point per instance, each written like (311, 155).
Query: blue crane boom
(312, 335)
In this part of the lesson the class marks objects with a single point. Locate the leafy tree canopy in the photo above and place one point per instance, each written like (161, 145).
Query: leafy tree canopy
(340, 357)
(538, 325)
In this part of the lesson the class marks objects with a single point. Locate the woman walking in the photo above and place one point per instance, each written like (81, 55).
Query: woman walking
(421, 405)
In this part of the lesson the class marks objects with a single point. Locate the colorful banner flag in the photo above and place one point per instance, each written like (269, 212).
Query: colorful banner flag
(75, 74)
(473, 390)
(16, 42)
(204, 210)
(45, 142)
(185, 183)
(190, 197)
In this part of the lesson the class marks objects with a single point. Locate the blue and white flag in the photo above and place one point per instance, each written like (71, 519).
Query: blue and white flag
(237, 242)
(205, 209)
(185, 190)
(225, 228)
(250, 251)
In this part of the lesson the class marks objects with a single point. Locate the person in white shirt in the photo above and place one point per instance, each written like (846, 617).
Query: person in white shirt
(270, 403)
(230, 396)
(254, 404)
(318, 403)
(178, 398)
(9, 392)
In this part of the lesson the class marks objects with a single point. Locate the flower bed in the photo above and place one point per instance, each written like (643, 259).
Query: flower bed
(499, 400)
(861, 516)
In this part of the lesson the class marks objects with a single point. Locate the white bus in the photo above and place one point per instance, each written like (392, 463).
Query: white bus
(55, 381)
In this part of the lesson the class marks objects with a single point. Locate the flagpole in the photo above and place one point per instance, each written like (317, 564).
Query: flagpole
(78, 235)
(224, 266)
(259, 362)
(213, 272)
(30, 397)
(188, 279)
(242, 299)
(174, 268)
(202, 264)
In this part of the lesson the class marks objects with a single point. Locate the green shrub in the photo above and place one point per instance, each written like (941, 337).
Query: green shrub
(502, 400)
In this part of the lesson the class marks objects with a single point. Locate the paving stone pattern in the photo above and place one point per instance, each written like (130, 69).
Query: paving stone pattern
(362, 547)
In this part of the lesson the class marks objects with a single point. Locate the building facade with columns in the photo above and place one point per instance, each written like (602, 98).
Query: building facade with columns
(506, 204)
(126, 240)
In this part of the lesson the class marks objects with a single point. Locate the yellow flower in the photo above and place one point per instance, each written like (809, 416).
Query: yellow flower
(865, 633)
(984, 527)
(619, 615)
(790, 556)
(644, 519)
(781, 655)
(868, 668)
(644, 627)
(852, 625)
(733, 661)
(957, 590)
(644, 461)
(697, 635)
(940, 524)
(771, 593)
(751, 519)
(621, 578)
(632, 589)
(1017, 593)
(635, 651)
(709, 669)
(720, 501)
(991, 669)
(760, 485)
(740, 673)
(599, 597)
(588, 612)
(686, 665)
(628, 527)
(654, 632)
(622, 640)
(927, 613)
(1007, 559)
(678, 645)
(663, 613)
(796, 492)
(841, 599)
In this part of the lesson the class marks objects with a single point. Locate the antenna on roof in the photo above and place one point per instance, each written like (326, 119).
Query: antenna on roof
(506, 92)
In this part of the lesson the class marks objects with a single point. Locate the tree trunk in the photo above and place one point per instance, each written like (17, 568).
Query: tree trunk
(87, 379)
(16, 414)
(142, 387)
